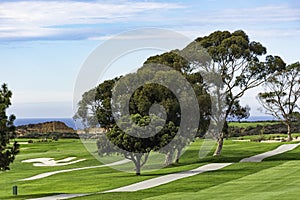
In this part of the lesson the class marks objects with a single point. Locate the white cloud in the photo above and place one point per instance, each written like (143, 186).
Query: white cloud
(281, 13)
(264, 14)
(96, 19)
(265, 21)
(33, 18)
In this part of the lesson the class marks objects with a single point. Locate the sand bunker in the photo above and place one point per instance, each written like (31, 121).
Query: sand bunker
(44, 175)
(50, 162)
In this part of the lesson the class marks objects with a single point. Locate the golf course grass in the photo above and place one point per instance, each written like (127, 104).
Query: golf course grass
(275, 177)
(251, 124)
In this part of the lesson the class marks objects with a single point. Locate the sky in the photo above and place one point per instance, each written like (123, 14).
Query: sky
(44, 44)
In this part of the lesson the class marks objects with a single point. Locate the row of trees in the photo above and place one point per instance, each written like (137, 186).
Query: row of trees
(236, 59)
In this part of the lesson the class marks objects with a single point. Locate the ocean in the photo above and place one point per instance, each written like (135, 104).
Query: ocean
(70, 122)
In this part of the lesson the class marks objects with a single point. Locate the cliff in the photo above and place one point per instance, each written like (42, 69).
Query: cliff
(46, 127)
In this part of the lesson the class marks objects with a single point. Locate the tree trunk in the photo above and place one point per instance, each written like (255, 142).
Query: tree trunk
(177, 156)
(168, 159)
(136, 159)
(220, 145)
(289, 133)
(138, 166)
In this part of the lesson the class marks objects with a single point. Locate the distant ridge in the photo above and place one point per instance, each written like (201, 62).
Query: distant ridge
(25, 121)
(45, 127)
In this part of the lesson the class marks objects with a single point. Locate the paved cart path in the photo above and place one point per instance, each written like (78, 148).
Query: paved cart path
(281, 149)
(176, 176)
(169, 178)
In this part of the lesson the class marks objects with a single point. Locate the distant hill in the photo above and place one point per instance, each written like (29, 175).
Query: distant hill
(44, 128)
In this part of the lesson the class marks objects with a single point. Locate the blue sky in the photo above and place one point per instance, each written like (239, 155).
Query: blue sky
(44, 43)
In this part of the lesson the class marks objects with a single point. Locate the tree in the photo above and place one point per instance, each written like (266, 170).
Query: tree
(296, 117)
(136, 149)
(7, 131)
(176, 61)
(236, 59)
(282, 93)
(94, 108)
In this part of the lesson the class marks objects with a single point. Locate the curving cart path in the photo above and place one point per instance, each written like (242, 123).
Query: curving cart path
(176, 176)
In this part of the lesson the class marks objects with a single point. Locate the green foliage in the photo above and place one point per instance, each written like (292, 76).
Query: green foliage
(178, 61)
(7, 131)
(236, 59)
(171, 59)
(129, 140)
(54, 135)
(94, 107)
(296, 117)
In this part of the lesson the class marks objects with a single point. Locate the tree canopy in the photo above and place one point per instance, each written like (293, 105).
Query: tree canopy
(7, 131)
(237, 60)
(281, 95)
(230, 60)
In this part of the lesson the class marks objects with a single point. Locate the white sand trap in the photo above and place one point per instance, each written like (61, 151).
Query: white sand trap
(169, 178)
(241, 140)
(44, 175)
(50, 162)
(281, 149)
(19, 143)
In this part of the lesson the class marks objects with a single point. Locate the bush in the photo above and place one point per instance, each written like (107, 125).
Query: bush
(258, 138)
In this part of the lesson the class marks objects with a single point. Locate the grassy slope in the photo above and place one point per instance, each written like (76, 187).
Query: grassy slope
(101, 179)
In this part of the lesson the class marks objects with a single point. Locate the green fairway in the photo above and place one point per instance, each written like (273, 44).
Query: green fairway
(101, 179)
(279, 182)
(251, 124)
(271, 179)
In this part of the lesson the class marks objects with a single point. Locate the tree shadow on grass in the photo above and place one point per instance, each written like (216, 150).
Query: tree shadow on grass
(29, 196)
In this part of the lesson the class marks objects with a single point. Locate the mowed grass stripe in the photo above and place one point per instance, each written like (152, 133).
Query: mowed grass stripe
(234, 175)
(97, 180)
(280, 182)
